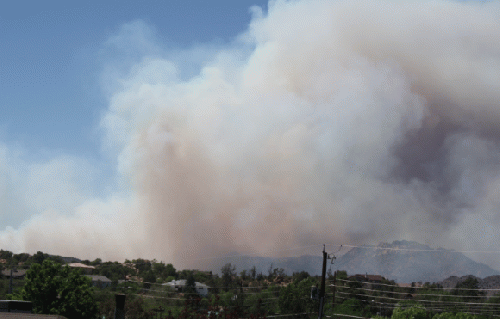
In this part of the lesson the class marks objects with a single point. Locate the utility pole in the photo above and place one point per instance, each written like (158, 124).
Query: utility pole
(322, 291)
(334, 287)
(120, 306)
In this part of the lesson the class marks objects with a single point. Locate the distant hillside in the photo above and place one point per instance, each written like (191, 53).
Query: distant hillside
(490, 283)
(392, 261)
(311, 264)
(68, 260)
(396, 263)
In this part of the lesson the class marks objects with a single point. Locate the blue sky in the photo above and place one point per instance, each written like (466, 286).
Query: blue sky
(53, 54)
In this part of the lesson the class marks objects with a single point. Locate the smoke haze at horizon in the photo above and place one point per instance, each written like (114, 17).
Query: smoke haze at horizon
(326, 121)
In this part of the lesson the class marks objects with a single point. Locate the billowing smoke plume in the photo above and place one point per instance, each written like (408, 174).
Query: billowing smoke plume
(325, 122)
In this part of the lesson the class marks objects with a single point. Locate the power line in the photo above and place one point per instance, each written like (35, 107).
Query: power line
(407, 293)
(492, 307)
(292, 314)
(432, 301)
(420, 250)
(432, 288)
(350, 316)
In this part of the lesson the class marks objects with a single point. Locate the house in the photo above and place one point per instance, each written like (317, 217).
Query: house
(408, 290)
(16, 273)
(86, 269)
(100, 281)
(179, 285)
(372, 281)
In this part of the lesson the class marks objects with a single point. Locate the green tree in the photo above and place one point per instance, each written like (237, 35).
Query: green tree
(5, 254)
(295, 297)
(164, 271)
(299, 276)
(228, 271)
(414, 312)
(270, 272)
(356, 292)
(170, 270)
(351, 307)
(449, 315)
(243, 274)
(96, 262)
(39, 257)
(54, 289)
(253, 272)
(341, 274)
(142, 265)
(190, 285)
(114, 271)
(469, 289)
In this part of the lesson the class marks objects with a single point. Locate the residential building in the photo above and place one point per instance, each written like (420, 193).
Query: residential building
(100, 281)
(86, 269)
(179, 285)
(16, 273)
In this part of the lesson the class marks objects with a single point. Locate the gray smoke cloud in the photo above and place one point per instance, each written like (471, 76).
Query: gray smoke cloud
(325, 122)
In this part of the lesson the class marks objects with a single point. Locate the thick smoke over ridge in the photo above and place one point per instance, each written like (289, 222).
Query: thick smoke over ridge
(347, 122)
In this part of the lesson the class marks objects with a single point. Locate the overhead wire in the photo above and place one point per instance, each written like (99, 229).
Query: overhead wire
(418, 250)
(431, 301)
(432, 288)
(409, 293)
(397, 305)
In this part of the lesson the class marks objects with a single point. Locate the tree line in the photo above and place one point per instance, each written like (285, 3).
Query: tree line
(55, 288)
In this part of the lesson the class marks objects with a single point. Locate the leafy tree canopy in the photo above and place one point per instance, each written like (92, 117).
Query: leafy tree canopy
(54, 289)
(469, 288)
(164, 270)
(295, 297)
(449, 315)
(414, 312)
(253, 272)
(228, 271)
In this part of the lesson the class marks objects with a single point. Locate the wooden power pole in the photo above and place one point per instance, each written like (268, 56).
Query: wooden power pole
(322, 291)
(334, 287)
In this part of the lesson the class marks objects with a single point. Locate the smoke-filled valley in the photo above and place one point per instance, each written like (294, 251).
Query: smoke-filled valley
(339, 122)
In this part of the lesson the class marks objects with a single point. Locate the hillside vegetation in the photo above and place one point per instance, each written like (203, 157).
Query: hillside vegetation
(244, 293)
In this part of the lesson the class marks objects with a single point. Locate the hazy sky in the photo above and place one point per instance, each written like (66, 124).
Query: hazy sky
(53, 58)
(170, 130)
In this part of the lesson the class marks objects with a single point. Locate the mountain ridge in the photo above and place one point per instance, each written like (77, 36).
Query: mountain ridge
(408, 261)
(402, 261)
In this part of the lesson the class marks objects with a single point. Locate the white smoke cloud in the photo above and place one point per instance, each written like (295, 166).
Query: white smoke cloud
(339, 122)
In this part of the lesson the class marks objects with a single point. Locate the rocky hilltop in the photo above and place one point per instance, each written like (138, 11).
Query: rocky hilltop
(402, 261)
(407, 261)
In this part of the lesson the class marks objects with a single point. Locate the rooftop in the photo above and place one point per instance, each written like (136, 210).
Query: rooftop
(99, 278)
(15, 273)
(80, 265)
